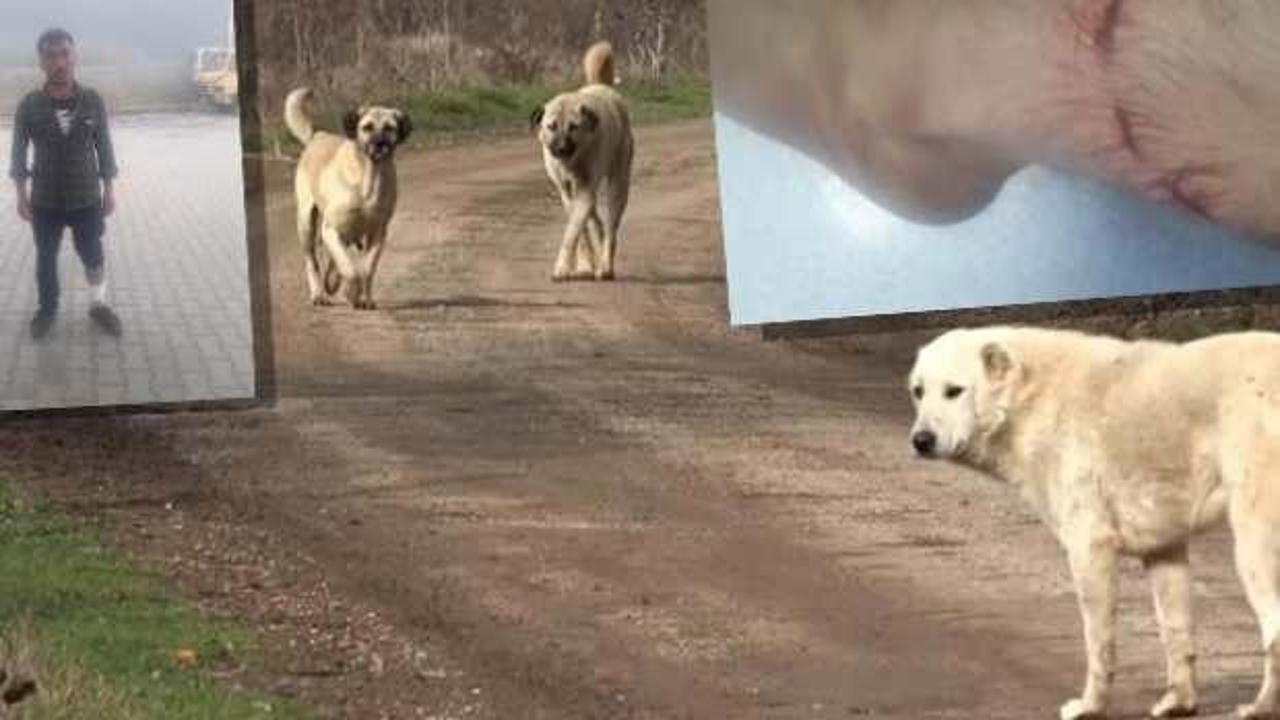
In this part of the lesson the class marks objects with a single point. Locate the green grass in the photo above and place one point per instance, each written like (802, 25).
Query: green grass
(99, 633)
(457, 114)
(475, 109)
(676, 99)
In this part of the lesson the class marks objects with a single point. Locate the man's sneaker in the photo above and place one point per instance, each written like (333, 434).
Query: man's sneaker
(106, 318)
(42, 322)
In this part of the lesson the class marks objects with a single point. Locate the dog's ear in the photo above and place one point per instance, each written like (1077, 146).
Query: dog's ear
(404, 126)
(590, 120)
(350, 122)
(535, 117)
(996, 362)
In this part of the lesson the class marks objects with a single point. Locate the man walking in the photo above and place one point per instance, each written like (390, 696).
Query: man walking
(70, 178)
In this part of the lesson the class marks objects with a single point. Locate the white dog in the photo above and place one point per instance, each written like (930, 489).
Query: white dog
(1123, 448)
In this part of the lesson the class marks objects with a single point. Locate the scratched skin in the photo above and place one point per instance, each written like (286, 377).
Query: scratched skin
(928, 106)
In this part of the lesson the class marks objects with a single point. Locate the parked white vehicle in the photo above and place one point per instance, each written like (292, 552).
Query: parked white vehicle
(214, 75)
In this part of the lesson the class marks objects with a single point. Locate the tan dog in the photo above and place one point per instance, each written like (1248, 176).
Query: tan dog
(1124, 448)
(346, 194)
(587, 148)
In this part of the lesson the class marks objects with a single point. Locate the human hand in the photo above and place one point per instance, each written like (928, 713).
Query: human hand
(1171, 100)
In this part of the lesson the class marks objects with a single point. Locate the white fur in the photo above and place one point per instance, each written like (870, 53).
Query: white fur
(1124, 448)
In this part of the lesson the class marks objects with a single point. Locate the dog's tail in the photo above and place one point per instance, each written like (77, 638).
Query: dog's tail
(296, 117)
(598, 64)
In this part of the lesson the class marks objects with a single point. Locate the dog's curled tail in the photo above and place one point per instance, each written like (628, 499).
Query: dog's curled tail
(296, 117)
(598, 64)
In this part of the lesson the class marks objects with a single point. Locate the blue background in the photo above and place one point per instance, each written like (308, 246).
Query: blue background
(801, 244)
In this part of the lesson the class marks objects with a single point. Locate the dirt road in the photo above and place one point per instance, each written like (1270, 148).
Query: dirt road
(520, 499)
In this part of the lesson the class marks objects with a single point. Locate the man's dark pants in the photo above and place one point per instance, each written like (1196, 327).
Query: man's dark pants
(86, 232)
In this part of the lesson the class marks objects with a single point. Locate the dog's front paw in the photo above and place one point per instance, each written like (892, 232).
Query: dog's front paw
(1257, 712)
(1175, 704)
(320, 301)
(604, 274)
(1078, 709)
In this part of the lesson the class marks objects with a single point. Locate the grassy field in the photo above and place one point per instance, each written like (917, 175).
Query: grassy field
(465, 113)
(103, 638)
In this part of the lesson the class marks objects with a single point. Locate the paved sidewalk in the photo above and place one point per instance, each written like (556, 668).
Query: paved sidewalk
(177, 270)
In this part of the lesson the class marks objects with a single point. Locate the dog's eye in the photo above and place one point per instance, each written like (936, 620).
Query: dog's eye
(952, 392)
(554, 124)
(918, 392)
(368, 127)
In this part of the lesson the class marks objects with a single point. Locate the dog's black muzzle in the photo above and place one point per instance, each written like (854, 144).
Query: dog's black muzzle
(563, 149)
(380, 146)
(925, 443)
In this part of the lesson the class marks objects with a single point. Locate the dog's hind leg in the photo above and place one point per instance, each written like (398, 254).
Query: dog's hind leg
(342, 261)
(372, 256)
(617, 195)
(611, 210)
(589, 252)
(1257, 555)
(1170, 575)
(579, 210)
(308, 227)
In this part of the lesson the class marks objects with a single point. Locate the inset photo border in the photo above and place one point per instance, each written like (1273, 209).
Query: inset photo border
(850, 190)
(127, 207)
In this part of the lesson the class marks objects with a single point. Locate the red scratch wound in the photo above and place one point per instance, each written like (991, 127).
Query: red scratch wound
(1124, 121)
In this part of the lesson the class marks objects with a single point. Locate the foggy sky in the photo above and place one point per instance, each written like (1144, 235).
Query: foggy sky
(128, 30)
